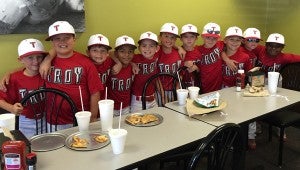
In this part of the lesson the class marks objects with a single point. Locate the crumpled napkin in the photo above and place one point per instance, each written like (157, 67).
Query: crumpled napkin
(193, 109)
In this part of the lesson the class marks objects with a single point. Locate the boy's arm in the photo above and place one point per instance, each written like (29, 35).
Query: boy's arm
(16, 108)
(94, 98)
(180, 50)
(46, 64)
(5, 79)
(230, 63)
(118, 66)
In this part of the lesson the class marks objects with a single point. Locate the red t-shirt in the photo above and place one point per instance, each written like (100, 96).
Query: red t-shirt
(244, 63)
(168, 63)
(103, 72)
(19, 86)
(191, 79)
(67, 74)
(119, 87)
(210, 66)
(252, 55)
(148, 68)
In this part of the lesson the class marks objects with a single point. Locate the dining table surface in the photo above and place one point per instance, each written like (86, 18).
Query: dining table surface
(241, 109)
(142, 143)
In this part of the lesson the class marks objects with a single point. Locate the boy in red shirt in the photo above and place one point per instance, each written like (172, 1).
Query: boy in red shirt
(69, 70)
(233, 40)
(147, 63)
(31, 53)
(119, 85)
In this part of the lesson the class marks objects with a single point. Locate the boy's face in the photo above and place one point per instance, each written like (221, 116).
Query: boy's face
(250, 43)
(148, 48)
(273, 49)
(32, 62)
(209, 42)
(188, 39)
(63, 44)
(125, 54)
(98, 53)
(233, 42)
(167, 40)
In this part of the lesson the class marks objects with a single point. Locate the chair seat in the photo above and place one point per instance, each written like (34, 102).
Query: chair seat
(284, 118)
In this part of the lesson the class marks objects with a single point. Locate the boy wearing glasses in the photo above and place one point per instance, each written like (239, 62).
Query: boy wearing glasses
(210, 61)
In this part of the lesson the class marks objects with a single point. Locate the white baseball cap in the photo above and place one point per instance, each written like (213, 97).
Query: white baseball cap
(29, 47)
(123, 40)
(98, 39)
(60, 27)
(148, 35)
(251, 33)
(189, 28)
(234, 31)
(276, 38)
(170, 28)
(212, 30)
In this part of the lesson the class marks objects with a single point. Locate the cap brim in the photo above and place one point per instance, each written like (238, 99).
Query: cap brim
(252, 37)
(171, 33)
(32, 53)
(211, 35)
(191, 33)
(109, 47)
(126, 44)
(147, 39)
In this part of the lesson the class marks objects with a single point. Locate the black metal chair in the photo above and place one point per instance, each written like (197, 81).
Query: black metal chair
(222, 149)
(154, 82)
(44, 101)
(289, 116)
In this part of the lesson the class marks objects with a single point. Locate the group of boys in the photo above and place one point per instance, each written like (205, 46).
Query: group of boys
(122, 73)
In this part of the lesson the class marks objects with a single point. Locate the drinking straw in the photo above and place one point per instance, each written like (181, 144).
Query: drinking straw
(274, 67)
(179, 80)
(81, 98)
(105, 93)
(120, 115)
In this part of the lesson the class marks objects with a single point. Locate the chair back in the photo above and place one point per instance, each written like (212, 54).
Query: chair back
(223, 144)
(291, 76)
(160, 95)
(47, 105)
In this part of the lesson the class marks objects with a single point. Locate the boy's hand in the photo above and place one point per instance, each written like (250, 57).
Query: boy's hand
(181, 52)
(17, 108)
(46, 64)
(135, 68)
(231, 64)
(4, 82)
(116, 68)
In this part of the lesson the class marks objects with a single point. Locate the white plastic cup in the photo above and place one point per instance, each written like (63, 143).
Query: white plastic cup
(193, 92)
(106, 108)
(8, 120)
(117, 139)
(83, 120)
(273, 82)
(181, 96)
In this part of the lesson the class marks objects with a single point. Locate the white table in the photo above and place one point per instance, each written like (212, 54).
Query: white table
(242, 109)
(142, 143)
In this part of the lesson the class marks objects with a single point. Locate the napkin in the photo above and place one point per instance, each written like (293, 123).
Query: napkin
(193, 109)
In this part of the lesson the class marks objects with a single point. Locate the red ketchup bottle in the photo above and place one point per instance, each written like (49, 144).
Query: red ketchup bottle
(14, 155)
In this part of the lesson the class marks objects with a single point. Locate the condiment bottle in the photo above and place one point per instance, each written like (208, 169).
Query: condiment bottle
(240, 80)
(31, 161)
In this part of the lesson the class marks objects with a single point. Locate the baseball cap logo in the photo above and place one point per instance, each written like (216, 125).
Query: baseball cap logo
(32, 44)
(190, 27)
(254, 32)
(149, 34)
(125, 38)
(56, 27)
(100, 37)
(236, 30)
(276, 38)
(172, 27)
